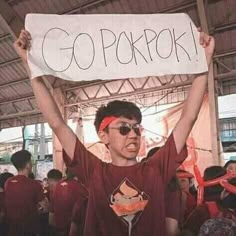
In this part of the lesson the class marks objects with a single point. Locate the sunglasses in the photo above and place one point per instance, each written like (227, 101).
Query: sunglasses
(125, 128)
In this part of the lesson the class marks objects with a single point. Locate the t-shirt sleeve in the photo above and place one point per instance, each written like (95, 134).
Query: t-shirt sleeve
(83, 163)
(168, 160)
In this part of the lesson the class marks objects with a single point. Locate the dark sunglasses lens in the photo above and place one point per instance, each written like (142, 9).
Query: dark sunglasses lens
(137, 131)
(124, 130)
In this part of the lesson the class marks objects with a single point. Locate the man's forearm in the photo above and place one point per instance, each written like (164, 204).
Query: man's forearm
(46, 103)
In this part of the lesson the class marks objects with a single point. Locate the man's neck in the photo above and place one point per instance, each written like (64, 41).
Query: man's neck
(23, 172)
(124, 162)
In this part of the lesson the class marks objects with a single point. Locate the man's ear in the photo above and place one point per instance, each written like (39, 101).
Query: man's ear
(103, 136)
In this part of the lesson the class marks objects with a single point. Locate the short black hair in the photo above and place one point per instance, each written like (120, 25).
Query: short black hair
(151, 152)
(4, 177)
(228, 163)
(31, 175)
(54, 174)
(211, 173)
(118, 108)
(20, 159)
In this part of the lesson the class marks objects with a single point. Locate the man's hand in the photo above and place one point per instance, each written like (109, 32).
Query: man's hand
(22, 44)
(208, 43)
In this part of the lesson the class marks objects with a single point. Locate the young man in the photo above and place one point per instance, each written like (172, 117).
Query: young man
(125, 197)
(231, 165)
(3, 224)
(65, 195)
(23, 198)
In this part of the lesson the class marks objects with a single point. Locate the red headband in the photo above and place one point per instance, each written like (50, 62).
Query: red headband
(106, 121)
(222, 180)
(181, 175)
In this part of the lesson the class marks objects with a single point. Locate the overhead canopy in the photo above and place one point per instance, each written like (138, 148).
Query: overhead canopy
(17, 103)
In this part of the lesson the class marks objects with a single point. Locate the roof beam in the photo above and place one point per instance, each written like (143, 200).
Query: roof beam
(14, 82)
(83, 6)
(179, 7)
(224, 27)
(17, 100)
(133, 93)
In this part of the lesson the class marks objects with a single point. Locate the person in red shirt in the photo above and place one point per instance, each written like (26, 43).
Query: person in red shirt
(3, 224)
(217, 203)
(24, 198)
(188, 197)
(54, 176)
(65, 195)
(125, 197)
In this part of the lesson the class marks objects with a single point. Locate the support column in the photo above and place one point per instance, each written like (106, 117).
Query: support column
(213, 100)
(42, 142)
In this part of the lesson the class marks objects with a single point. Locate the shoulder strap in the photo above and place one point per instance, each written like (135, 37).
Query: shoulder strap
(213, 209)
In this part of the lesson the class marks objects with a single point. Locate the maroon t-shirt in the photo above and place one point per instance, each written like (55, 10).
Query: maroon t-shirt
(22, 195)
(173, 205)
(64, 198)
(79, 213)
(127, 200)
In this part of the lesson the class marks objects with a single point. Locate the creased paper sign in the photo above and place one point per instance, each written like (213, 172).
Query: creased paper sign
(89, 47)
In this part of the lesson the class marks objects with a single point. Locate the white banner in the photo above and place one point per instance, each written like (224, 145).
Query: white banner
(89, 47)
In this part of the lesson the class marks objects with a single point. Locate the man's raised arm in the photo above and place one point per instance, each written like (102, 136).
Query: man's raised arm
(194, 101)
(45, 101)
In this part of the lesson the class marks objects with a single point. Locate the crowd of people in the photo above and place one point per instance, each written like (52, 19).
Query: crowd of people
(125, 197)
(57, 205)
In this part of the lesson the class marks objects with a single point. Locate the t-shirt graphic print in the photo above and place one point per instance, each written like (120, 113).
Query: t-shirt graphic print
(128, 203)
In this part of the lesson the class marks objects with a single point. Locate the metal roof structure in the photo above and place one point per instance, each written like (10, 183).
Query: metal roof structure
(17, 102)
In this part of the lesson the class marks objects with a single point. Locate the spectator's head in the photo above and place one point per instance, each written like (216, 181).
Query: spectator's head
(231, 165)
(228, 199)
(70, 175)
(150, 153)
(185, 179)
(22, 161)
(3, 178)
(45, 183)
(118, 127)
(211, 173)
(54, 176)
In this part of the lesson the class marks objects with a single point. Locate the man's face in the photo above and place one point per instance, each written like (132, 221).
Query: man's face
(232, 167)
(123, 145)
(184, 184)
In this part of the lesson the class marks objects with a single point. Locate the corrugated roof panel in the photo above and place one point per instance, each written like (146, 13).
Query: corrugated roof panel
(23, 88)
(7, 51)
(12, 72)
(222, 12)
(23, 106)
(7, 108)
(8, 92)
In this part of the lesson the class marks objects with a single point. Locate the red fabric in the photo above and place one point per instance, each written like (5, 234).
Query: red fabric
(65, 196)
(22, 195)
(213, 209)
(111, 186)
(106, 121)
